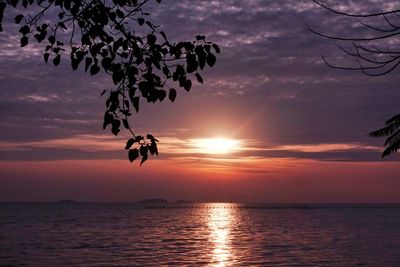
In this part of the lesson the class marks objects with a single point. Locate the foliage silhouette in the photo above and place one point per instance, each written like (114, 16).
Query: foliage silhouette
(116, 37)
(373, 55)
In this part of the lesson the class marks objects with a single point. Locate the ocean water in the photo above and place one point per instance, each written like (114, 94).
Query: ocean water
(215, 234)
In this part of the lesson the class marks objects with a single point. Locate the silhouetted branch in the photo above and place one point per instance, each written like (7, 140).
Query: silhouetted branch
(101, 35)
(372, 60)
(321, 3)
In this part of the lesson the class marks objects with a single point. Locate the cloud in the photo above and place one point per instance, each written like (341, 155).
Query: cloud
(38, 98)
(269, 84)
(210, 152)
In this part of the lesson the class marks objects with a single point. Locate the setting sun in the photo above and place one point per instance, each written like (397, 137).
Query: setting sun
(215, 145)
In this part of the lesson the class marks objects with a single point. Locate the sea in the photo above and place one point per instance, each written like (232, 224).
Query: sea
(199, 234)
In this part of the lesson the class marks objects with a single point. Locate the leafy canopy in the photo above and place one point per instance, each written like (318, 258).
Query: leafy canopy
(117, 37)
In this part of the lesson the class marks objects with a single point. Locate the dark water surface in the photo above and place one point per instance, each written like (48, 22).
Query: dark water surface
(90, 234)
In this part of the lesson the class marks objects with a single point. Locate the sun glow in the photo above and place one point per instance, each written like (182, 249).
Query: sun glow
(215, 145)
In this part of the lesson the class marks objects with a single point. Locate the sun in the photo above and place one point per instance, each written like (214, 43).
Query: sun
(218, 145)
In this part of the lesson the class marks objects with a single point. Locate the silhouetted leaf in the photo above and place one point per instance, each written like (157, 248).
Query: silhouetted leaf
(94, 69)
(51, 39)
(24, 30)
(151, 137)
(211, 59)
(131, 92)
(106, 63)
(129, 143)
(24, 41)
(139, 138)
(172, 94)
(161, 95)
(135, 103)
(117, 76)
(18, 18)
(46, 57)
(107, 119)
(201, 55)
(216, 48)
(56, 60)
(144, 158)
(125, 123)
(88, 62)
(133, 154)
(74, 64)
(191, 62)
(115, 127)
(119, 13)
(102, 93)
(151, 39)
(14, 3)
(153, 148)
(199, 78)
(140, 21)
(187, 85)
(143, 150)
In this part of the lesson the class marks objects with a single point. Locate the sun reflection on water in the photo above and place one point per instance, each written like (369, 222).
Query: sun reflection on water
(220, 222)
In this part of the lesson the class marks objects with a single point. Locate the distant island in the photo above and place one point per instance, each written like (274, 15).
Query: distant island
(66, 201)
(182, 201)
(153, 200)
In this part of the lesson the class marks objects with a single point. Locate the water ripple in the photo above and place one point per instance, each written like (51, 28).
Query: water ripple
(219, 234)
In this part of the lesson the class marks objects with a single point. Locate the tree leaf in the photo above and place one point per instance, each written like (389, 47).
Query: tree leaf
(211, 59)
(125, 123)
(51, 39)
(143, 150)
(46, 57)
(24, 30)
(135, 103)
(140, 21)
(153, 148)
(56, 60)
(199, 78)
(187, 85)
(144, 158)
(94, 69)
(172, 94)
(129, 143)
(18, 18)
(161, 95)
(133, 154)
(150, 137)
(200, 37)
(24, 41)
(115, 126)
(216, 48)
(88, 62)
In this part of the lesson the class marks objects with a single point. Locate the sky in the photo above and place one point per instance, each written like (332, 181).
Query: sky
(299, 127)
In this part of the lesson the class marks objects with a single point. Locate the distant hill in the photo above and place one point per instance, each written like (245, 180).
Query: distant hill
(153, 200)
(66, 201)
(181, 201)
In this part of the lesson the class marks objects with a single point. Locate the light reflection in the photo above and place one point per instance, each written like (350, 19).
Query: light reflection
(220, 222)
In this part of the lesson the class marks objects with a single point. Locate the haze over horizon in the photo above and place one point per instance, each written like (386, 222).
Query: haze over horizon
(299, 127)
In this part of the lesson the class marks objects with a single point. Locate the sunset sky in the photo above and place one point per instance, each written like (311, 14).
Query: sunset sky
(299, 127)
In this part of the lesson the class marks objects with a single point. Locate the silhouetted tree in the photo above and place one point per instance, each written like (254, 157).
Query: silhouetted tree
(374, 55)
(118, 37)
